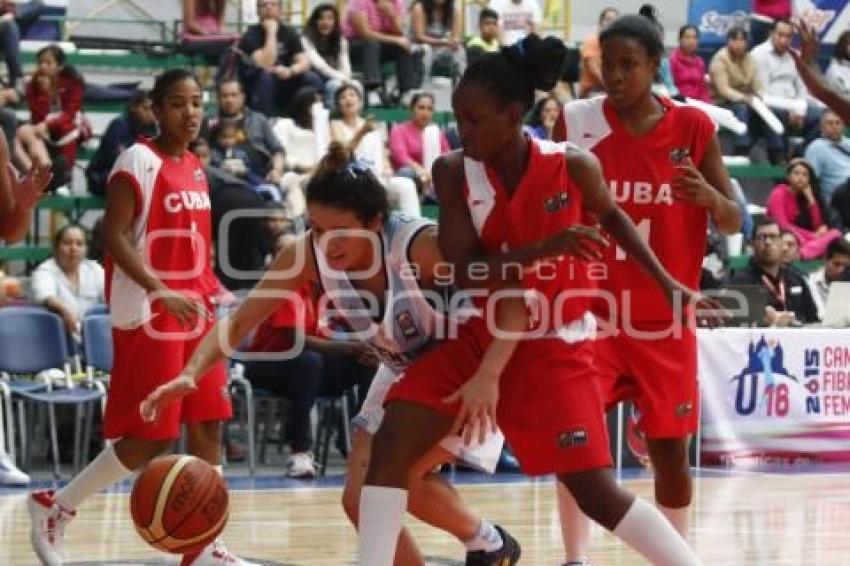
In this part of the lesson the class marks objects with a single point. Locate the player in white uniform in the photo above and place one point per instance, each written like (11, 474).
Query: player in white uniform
(364, 257)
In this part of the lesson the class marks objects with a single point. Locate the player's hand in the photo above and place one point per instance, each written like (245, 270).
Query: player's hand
(364, 354)
(29, 188)
(690, 186)
(183, 308)
(166, 394)
(581, 241)
(807, 54)
(479, 398)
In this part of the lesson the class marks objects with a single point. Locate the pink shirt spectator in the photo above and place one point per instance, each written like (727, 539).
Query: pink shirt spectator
(406, 144)
(204, 20)
(782, 206)
(689, 75)
(773, 9)
(377, 20)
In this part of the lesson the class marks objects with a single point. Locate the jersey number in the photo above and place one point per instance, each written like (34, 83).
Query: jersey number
(643, 230)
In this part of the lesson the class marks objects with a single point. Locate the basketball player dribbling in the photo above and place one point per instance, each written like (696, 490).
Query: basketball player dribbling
(159, 280)
(663, 165)
(361, 254)
(506, 200)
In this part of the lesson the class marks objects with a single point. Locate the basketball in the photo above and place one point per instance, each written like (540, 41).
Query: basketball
(179, 504)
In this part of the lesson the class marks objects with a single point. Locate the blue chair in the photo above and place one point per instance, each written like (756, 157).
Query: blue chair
(33, 340)
(97, 309)
(97, 350)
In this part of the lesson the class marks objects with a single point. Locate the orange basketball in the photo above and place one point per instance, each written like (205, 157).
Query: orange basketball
(179, 504)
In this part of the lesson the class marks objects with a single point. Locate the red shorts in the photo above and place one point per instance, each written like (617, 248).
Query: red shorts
(658, 375)
(550, 408)
(142, 362)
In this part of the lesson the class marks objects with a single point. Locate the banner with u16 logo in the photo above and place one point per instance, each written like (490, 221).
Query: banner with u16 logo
(774, 396)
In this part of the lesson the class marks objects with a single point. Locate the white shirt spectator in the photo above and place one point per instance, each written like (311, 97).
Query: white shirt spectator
(777, 73)
(319, 64)
(517, 18)
(838, 75)
(831, 162)
(48, 280)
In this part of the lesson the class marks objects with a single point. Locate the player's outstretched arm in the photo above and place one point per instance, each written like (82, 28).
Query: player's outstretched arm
(291, 269)
(806, 60)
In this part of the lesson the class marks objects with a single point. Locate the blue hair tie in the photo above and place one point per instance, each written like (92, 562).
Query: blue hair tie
(357, 167)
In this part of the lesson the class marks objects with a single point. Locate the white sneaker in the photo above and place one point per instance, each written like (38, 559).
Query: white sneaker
(301, 466)
(9, 474)
(215, 554)
(47, 527)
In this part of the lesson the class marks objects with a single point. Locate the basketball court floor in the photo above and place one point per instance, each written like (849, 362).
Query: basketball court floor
(740, 518)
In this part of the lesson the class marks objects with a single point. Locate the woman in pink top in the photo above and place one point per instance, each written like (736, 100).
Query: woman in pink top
(203, 32)
(796, 205)
(409, 142)
(687, 67)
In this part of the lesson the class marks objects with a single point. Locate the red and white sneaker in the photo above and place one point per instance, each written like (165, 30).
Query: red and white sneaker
(47, 527)
(215, 554)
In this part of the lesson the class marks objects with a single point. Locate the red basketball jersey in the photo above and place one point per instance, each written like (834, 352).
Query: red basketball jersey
(171, 229)
(545, 202)
(639, 172)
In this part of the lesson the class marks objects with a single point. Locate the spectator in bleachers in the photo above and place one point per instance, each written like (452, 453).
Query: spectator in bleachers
(57, 125)
(838, 72)
(376, 33)
(797, 205)
(790, 248)
(590, 77)
(15, 20)
(791, 301)
(829, 155)
(122, 132)
(736, 85)
(417, 143)
(835, 268)
(487, 40)
(229, 152)
(784, 91)
(435, 27)
(327, 49)
(517, 18)
(203, 31)
(280, 66)
(543, 116)
(687, 66)
(255, 130)
(372, 150)
(68, 283)
(764, 14)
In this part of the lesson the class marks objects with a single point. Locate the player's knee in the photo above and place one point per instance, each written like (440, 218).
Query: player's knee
(598, 496)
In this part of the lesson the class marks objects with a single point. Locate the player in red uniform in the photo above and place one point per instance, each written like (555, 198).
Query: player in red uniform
(508, 201)
(663, 165)
(159, 280)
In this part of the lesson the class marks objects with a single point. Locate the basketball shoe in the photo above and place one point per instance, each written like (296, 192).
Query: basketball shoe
(507, 555)
(215, 554)
(47, 527)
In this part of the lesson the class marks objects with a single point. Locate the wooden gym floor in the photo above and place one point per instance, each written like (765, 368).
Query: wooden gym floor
(739, 518)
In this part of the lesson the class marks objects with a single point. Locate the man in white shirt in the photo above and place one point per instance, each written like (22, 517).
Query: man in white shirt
(518, 18)
(785, 93)
(835, 268)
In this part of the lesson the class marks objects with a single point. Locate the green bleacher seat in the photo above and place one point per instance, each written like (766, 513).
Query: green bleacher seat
(431, 211)
(757, 171)
(29, 254)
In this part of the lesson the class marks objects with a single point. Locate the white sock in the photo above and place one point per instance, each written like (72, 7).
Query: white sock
(381, 516)
(575, 526)
(104, 471)
(645, 529)
(486, 538)
(679, 517)
(219, 469)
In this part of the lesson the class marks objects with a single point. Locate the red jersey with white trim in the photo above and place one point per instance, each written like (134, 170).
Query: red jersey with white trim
(639, 172)
(544, 203)
(171, 229)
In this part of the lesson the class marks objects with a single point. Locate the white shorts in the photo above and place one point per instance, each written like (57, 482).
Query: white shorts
(483, 457)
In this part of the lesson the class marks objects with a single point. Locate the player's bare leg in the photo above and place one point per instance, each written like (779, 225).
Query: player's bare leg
(673, 485)
(632, 520)
(575, 527)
